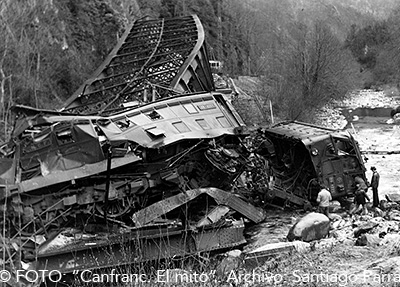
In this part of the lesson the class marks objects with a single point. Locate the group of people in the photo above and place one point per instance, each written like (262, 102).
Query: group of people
(360, 196)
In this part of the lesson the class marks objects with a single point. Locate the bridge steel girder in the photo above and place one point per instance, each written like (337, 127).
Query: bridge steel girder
(153, 60)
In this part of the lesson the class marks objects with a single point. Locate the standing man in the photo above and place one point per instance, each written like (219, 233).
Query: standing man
(374, 185)
(323, 199)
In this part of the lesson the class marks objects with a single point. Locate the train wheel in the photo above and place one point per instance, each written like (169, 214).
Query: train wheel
(116, 208)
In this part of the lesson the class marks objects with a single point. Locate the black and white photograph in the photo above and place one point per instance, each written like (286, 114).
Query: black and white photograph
(215, 143)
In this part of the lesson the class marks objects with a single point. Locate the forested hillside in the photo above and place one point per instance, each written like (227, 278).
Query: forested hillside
(306, 52)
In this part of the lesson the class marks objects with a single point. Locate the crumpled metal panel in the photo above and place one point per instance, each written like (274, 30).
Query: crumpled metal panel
(147, 214)
(146, 126)
(305, 132)
(173, 121)
(138, 246)
(7, 170)
(61, 147)
(70, 143)
(74, 174)
(157, 124)
(154, 59)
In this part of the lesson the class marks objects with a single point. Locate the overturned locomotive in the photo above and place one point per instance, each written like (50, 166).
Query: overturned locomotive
(303, 156)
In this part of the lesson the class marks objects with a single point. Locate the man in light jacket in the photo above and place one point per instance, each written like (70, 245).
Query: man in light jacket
(324, 198)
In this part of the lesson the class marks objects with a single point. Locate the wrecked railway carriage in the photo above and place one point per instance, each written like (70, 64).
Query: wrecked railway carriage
(145, 144)
(150, 149)
(301, 156)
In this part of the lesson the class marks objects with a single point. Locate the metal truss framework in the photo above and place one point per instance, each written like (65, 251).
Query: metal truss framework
(153, 60)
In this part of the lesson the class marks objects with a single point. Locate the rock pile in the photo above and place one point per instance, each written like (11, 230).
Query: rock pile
(331, 114)
(379, 227)
(368, 99)
(331, 117)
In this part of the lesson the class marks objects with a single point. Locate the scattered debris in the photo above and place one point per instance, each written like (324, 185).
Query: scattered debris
(146, 158)
(148, 161)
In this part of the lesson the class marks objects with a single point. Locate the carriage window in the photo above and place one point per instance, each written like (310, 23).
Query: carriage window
(203, 124)
(224, 122)
(181, 127)
(65, 137)
(154, 116)
(190, 109)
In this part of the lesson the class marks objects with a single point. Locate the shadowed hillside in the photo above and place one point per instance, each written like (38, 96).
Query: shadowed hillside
(50, 47)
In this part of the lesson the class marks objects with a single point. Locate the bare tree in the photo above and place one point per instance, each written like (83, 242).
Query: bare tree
(316, 70)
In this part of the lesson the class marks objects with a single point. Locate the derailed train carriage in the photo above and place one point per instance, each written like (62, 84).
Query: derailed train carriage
(149, 145)
(66, 161)
(146, 143)
(302, 157)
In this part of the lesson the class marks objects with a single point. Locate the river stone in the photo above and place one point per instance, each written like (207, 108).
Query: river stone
(312, 226)
(228, 264)
(393, 197)
(334, 217)
(367, 239)
(335, 206)
(378, 212)
(394, 215)
(364, 227)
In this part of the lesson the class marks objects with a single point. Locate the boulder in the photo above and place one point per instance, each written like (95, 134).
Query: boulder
(340, 224)
(386, 227)
(378, 219)
(334, 217)
(367, 239)
(335, 206)
(393, 197)
(230, 262)
(391, 239)
(325, 244)
(364, 227)
(348, 242)
(378, 212)
(387, 266)
(386, 205)
(312, 226)
(396, 118)
(365, 217)
(394, 215)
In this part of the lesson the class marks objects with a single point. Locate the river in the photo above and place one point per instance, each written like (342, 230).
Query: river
(366, 114)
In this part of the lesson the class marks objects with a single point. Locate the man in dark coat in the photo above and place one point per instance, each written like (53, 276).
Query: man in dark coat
(359, 200)
(374, 184)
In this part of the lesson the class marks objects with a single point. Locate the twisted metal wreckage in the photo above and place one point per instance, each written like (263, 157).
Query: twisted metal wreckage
(303, 156)
(148, 147)
(146, 144)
